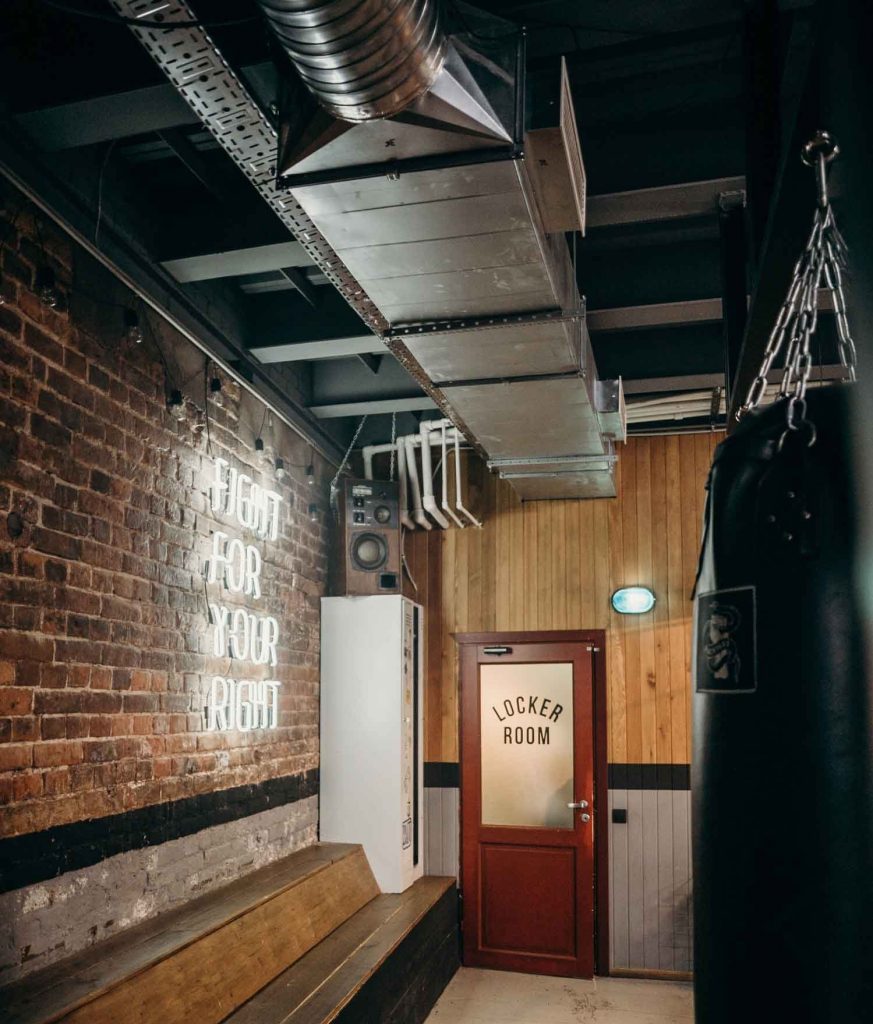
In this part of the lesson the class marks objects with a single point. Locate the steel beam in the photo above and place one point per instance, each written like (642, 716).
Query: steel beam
(707, 381)
(662, 314)
(238, 262)
(331, 348)
(419, 403)
(670, 202)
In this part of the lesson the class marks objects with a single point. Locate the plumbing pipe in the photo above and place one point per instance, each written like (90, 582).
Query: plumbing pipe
(427, 495)
(444, 465)
(458, 504)
(369, 451)
(412, 468)
(405, 519)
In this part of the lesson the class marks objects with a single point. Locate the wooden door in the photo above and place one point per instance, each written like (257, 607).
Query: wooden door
(527, 754)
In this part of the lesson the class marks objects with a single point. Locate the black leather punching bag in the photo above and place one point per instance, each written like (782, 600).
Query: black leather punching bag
(783, 774)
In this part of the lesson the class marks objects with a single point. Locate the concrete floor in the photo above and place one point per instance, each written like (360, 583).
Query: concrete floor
(497, 997)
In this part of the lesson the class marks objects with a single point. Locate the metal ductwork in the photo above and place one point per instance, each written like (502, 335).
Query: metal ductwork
(361, 59)
(459, 242)
(441, 222)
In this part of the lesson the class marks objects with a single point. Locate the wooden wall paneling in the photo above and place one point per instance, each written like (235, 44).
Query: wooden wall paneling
(678, 606)
(516, 557)
(444, 749)
(571, 555)
(554, 565)
(661, 615)
(434, 643)
(616, 666)
(629, 625)
(645, 575)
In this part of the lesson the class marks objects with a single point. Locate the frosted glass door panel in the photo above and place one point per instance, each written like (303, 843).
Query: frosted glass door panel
(526, 715)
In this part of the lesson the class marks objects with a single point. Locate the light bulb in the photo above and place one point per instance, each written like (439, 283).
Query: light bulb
(313, 513)
(46, 287)
(215, 392)
(132, 328)
(281, 472)
(176, 404)
(310, 474)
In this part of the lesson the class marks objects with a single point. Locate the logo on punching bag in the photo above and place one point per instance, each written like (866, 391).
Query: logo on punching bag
(725, 640)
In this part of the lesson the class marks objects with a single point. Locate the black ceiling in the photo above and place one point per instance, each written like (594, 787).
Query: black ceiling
(658, 92)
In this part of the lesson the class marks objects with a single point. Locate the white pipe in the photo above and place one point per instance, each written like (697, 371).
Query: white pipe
(404, 491)
(368, 452)
(445, 474)
(427, 495)
(412, 468)
(458, 504)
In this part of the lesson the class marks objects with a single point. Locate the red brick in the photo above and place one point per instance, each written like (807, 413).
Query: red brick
(15, 755)
(16, 700)
(59, 752)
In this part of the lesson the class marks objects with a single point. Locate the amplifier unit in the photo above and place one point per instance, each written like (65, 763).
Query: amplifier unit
(368, 559)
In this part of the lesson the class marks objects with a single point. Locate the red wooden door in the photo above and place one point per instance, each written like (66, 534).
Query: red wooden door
(527, 752)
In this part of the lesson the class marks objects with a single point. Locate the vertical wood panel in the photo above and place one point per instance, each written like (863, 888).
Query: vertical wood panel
(554, 565)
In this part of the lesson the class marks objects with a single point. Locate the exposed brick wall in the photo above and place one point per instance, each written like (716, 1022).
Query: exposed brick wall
(105, 645)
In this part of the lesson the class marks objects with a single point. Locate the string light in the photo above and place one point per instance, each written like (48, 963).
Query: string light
(281, 472)
(215, 392)
(132, 327)
(46, 287)
(176, 404)
(313, 513)
(310, 475)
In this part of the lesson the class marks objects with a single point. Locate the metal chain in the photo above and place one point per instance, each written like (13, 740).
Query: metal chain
(334, 484)
(822, 260)
(393, 442)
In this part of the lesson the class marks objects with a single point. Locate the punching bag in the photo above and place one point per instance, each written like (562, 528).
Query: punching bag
(782, 772)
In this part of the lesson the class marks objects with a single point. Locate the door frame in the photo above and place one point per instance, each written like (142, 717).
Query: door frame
(596, 639)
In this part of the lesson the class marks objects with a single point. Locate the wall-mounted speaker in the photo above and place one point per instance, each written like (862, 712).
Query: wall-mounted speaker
(367, 555)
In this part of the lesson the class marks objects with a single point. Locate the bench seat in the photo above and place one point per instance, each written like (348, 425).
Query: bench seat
(308, 928)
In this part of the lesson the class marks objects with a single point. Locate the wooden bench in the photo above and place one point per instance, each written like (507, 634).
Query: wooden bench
(306, 940)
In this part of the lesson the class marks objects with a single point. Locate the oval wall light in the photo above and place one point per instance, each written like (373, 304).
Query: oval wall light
(633, 600)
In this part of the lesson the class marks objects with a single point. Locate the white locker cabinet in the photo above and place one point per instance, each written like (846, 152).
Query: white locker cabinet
(371, 773)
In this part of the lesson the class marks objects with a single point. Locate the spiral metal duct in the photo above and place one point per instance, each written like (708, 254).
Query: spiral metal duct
(362, 59)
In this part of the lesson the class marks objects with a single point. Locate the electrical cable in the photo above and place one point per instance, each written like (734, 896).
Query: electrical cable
(100, 178)
(119, 19)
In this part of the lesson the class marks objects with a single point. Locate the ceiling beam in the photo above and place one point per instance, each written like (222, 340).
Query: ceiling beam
(329, 348)
(705, 381)
(373, 408)
(104, 118)
(238, 262)
(662, 314)
(121, 115)
(668, 202)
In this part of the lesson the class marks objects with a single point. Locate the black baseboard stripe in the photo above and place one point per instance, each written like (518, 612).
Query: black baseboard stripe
(446, 775)
(39, 856)
(441, 774)
(650, 776)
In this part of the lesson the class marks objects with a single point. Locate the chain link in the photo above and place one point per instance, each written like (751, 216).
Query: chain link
(334, 484)
(820, 264)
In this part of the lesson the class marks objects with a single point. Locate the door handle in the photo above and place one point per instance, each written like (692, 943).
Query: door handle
(580, 805)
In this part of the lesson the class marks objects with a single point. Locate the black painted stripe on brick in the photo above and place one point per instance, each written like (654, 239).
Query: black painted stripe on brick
(38, 856)
(441, 774)
(650, 776)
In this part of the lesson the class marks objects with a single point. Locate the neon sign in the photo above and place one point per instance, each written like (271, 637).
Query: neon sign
(240, 634)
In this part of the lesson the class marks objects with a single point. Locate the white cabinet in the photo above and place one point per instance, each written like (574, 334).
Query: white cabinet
(371, 772)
